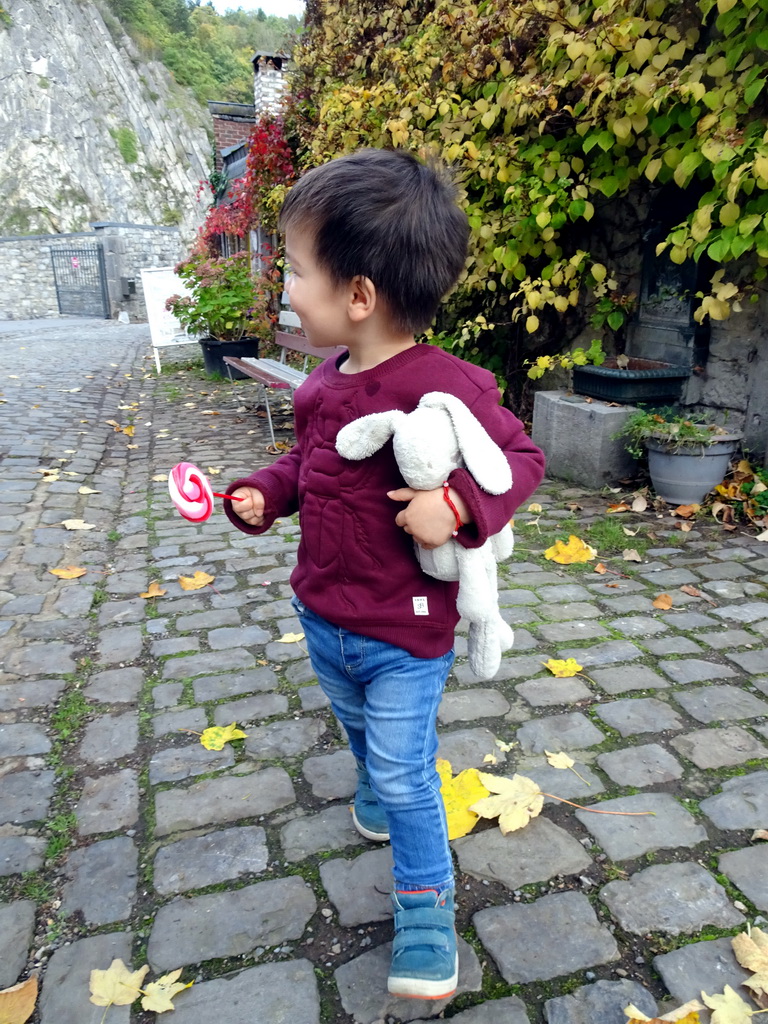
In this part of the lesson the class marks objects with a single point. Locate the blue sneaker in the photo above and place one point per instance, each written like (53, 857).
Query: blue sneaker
(425, 963)
(369, 819)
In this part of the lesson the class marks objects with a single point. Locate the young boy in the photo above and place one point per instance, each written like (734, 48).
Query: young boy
(374, 240)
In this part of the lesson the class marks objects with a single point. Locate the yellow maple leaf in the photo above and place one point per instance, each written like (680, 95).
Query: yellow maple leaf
(576, 550)
(686, 1014)
(290, 638)
(729, 1007)
(196, 582)
(77, 524)
(117, 986)
(129, 431)
(155, 590)
(17, 1003)
(563, 669)
(562, 760)
(751, 950)
(158, 995)
(216, 736)
(69, 572)
(458, 793)
(517, 800)
(663, 601)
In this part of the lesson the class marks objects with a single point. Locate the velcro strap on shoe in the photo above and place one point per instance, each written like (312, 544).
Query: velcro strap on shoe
(424, 917)
(419, 937)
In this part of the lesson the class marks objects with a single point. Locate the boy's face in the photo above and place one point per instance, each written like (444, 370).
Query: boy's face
(320, 304)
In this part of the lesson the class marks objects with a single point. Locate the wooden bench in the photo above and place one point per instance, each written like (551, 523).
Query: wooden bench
(276, 373)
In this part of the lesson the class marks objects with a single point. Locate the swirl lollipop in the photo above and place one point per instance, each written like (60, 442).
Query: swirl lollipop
(191, 493)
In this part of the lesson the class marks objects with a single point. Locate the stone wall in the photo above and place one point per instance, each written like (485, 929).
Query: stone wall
(27, 287)
(269, 83)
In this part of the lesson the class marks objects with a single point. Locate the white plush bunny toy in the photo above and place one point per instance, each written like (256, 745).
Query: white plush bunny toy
(440, 435)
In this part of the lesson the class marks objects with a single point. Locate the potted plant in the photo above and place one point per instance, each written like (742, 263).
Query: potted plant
(228, 308)
(687, 456)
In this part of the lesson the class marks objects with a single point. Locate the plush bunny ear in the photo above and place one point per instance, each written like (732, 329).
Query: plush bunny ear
(482, 456)
(363, 437)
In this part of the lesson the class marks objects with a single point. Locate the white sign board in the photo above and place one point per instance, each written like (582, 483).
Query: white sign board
(159, 283)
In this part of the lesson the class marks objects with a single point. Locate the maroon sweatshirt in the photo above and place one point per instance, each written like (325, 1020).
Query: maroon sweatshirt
(356, 568)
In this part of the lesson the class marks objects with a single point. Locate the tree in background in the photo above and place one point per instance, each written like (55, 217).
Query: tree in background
(571, 125)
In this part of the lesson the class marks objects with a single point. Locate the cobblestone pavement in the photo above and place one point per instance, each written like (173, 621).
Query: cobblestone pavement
(121, 836)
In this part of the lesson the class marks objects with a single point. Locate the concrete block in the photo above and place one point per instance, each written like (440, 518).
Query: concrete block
(576, 435)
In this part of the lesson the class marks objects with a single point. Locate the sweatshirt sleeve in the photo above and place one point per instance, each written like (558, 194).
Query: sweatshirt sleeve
(279, 483)
(490, 512)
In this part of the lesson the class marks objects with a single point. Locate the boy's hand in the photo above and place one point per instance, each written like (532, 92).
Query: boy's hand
(428, 516)
(251, 509)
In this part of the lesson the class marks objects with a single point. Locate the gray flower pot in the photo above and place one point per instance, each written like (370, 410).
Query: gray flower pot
(684, 474)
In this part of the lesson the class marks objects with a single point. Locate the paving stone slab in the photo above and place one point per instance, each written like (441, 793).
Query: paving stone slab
(601, 1003)
(42, 660)
(701, 966)
(23, 739)
(110, 737)
(189, 930)
(669, 577)
(510, 668)
(567, 632)
(177, 763)
(466, 748)
(362, 986)
(742, 802)
(721, 703)
(331, 776)
(65, 995)
(519, 937)
(717, 748)
(284, 739)
(724, 639)
(38, 694)
(468, 705)
(752, 611)
(566, 784)
(26, 796)
(671, 898)
(626, 678)
(102, 881)
(359, 889)
(750, 661)
(724, 570)
(216, 801)
(623, 838)
(167, 695)
(119, 644)
(114, 612)
(238, 636)
(644, 765)
(536, 853)
(108, 803)
(115, 686)
(638, 626)
(178, 721)
(231, 853)
(748, 870)
(612, 652)
(672, 645)
(200, 664)
(635, 715)
(331, 829)
(569, 610)
(279, 993)
(312, 698)
(250, 709)
(571, 731)
(17, 926)
(232, 684)
(509, 1010)
(549, 692)
(20, 853)
(695, 670)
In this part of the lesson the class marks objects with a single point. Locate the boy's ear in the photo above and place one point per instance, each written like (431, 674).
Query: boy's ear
(362, 298)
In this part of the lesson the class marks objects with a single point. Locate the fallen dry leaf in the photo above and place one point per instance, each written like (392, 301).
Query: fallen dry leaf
(620, 506)
(514, 803)
(216, 736)
(69, 572)
(129, 431)
(458, 793)
(630, 555)
(159, 477)
(690, 590)
(562, 760)
(682, 1015)
(759, 833)
(158, 995)
(762, 536)
(196, 582)
(685, 527)
(563, 668)
(602, 569)
(729, 1007)
(640, 504)
(155, 590)
(17, 1003)
(87, 490)
(290, 638)
(490, 759)
(535, 507)
(214, 470)
(117, 986)
(751, 950)
(77, 524)
(630, 533)
(575, 550)
(685, 511)
(663, 601)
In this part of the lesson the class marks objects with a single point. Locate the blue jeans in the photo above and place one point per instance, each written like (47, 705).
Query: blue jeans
(387, 701)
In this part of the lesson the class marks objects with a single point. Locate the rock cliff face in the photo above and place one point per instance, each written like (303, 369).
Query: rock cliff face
(88, 131)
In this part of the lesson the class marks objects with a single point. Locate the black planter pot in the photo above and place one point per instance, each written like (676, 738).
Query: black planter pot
(215, 350)
(643, 380)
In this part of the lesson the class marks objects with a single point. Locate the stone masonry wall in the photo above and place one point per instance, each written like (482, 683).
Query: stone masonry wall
(27, 287)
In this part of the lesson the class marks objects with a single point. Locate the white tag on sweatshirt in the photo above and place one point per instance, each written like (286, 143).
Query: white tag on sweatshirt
(420, 606)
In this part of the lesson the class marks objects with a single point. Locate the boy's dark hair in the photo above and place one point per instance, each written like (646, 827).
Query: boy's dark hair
(384, 215)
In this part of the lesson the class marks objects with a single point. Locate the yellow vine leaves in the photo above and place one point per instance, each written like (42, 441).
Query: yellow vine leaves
(17, 1003)
(118, 985)
(687, 1014)
(751, 950)
(216, 736)
(563, 668)
(459, 792)
(513, 801)
(570, 552)
(196, 582)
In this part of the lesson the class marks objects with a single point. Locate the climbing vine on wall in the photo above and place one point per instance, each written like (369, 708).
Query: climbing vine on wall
(558, 115)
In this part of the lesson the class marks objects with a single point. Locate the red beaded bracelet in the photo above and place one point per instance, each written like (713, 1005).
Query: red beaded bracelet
(447, 499)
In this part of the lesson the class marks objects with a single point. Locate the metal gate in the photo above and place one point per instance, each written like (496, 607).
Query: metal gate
(81, 281)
